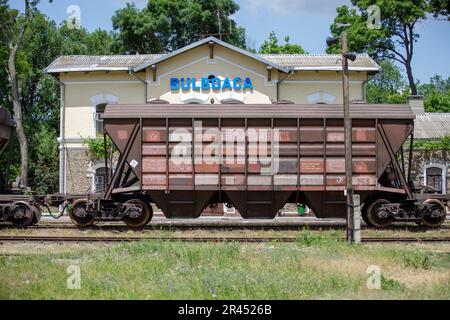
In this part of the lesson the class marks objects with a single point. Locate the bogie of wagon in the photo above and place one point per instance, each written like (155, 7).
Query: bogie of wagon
(380, 212)
(134, 210)
(21, 213)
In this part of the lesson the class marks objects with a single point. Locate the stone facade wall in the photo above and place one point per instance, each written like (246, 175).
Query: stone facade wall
(78, 180)
(423, 159)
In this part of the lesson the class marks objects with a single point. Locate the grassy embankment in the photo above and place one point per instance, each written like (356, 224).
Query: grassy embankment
(317, 267)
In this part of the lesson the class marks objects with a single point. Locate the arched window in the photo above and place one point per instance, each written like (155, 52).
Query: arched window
(434, 178)
(321, 97)
(194, 102)
(99, 103)
(100, 179)
(230, 97)
(231, 101)
(194, 98)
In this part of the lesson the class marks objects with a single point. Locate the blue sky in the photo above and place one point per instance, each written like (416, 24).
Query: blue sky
(307, 22)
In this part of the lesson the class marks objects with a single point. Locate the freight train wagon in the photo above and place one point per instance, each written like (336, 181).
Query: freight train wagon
(258, 158)
(15, 207)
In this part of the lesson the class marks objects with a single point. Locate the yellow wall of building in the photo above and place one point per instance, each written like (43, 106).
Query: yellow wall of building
(226, 63)
(81, 91)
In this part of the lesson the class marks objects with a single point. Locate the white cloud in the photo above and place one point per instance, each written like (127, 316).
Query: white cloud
(289, 7)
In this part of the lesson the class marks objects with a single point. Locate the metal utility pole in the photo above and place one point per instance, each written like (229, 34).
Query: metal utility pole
(348, 142)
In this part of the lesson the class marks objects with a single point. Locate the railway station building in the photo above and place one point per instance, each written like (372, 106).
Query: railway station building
(209, 71)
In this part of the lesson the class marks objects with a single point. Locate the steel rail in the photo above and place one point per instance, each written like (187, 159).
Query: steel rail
(205, 239)
(284, 227)
(216, 228)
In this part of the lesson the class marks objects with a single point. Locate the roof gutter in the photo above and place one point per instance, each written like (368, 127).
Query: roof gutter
(62, 138)
(291, 71)
(133, 74)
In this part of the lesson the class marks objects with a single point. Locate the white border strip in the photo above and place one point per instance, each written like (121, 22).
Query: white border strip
(320, 81)
(103, 82)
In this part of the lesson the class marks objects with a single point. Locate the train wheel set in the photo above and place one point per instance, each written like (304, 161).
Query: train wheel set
(20, 214)
(382, 213)
(134, 213)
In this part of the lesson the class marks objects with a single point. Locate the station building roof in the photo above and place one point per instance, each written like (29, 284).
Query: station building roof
(432, 125)
(138, 62)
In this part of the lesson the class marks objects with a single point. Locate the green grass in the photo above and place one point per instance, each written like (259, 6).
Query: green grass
(317, 267)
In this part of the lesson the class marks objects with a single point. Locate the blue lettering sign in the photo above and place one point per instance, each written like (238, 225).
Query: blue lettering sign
(237, 83)
(226, 84)
(248, 84)
(206, 85)
(194, 85)
(216, 83)
(174, 84)
(185, 83)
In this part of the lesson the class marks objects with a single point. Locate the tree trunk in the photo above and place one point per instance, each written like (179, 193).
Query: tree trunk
(17, 106)
(412, 84)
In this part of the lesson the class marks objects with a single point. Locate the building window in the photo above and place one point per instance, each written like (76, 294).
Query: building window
(434, 178)
(194, 98)
(99, 127)
(231, 101)
(321, 97)
(100, 179)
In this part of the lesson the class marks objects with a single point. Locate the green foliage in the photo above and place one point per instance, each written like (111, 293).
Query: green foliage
(272, 46)
(396, 36)
(44, 168)
(167, 25)
(390, 284)
(96, 148)
(440, 7)
(309, 238)
(81, 42)
(436, 94)
(43, 42)
(389, 86)
(437, 102)
(433, 145)
(418, 259)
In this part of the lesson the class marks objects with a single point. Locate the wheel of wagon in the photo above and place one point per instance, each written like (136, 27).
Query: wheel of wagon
(434, 213)
(138, 214)
(22, 215)
(377, 215)
(37, 213)
(364, 215)
(79, 215)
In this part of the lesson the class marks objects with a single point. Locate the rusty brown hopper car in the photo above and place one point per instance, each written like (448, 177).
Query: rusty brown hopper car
(187, 157)
(15, 207)
(6, 129)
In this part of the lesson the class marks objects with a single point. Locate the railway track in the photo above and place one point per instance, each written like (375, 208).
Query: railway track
(165, 227)
(205, 239)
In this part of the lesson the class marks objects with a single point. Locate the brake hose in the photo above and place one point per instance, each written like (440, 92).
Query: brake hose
(61, 213)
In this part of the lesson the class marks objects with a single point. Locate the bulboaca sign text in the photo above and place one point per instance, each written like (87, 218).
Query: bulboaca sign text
(216, 84)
